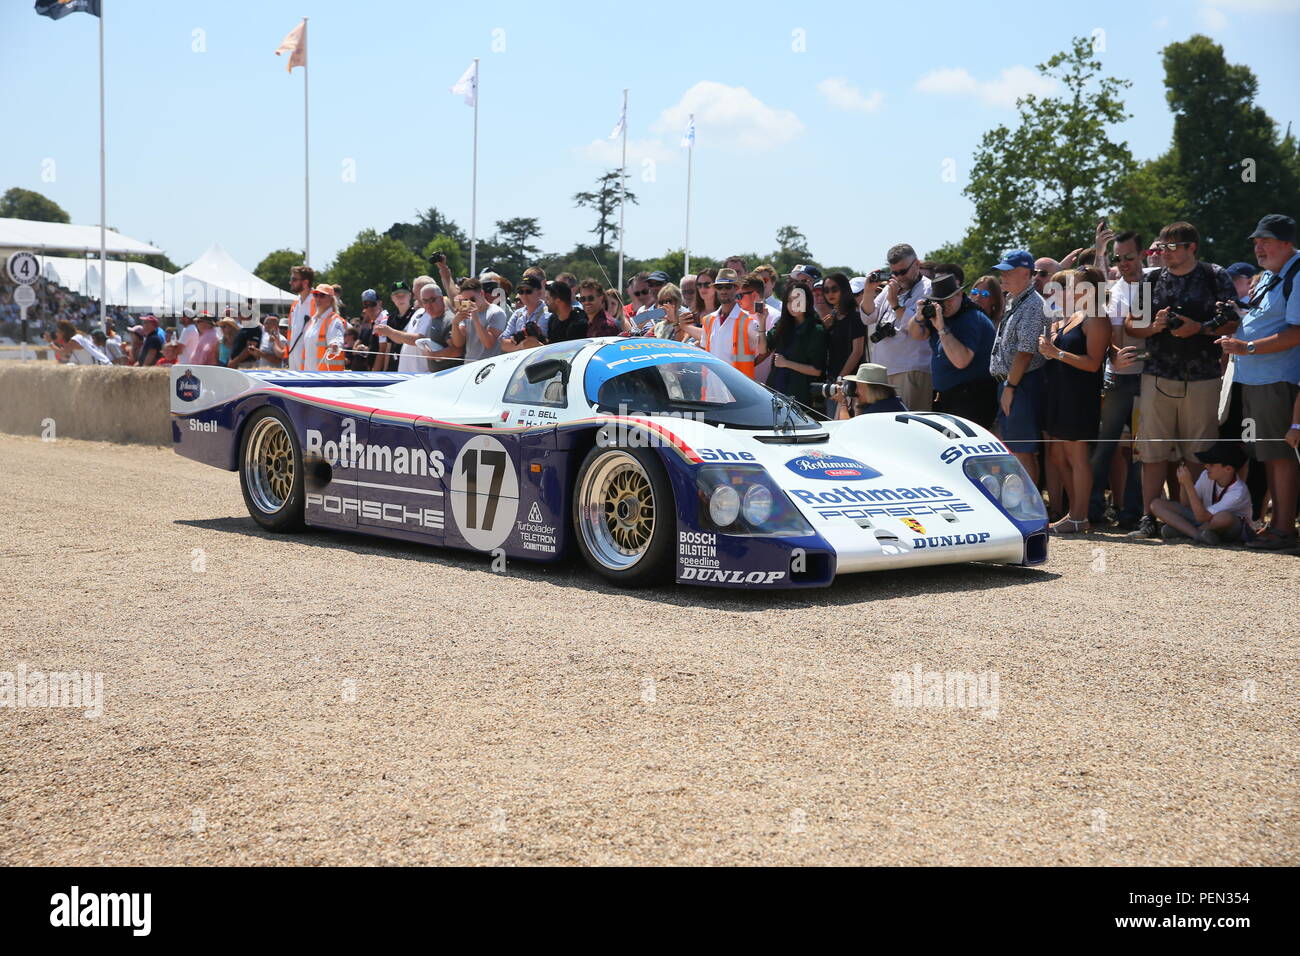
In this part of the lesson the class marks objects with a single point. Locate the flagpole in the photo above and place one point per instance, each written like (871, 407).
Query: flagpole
(103, 200)
(690, 156)
(473, 202)
(306, 159)
(622, 202)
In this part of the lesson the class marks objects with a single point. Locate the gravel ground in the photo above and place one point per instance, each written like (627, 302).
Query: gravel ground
(431, 711)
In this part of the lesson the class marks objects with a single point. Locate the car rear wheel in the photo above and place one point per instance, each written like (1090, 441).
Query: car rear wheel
(271, 471)
(624, 516)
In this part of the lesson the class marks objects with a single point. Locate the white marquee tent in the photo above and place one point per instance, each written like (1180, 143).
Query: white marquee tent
(131, 285)
(215, 281)
(62, 237)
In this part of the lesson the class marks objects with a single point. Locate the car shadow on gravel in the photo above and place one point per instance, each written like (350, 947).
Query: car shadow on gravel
(571, 572)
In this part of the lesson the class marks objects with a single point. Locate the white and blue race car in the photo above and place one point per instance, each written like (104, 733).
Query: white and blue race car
(654, 458)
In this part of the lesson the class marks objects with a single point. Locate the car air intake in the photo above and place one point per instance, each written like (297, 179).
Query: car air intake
(798, 438)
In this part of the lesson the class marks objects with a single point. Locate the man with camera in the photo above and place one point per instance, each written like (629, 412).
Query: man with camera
(478, 322)
(1266, 353)
(961, 340)
(568, 322)
(893, 310)
(1178, 405)
(527, 326)
(869, 392)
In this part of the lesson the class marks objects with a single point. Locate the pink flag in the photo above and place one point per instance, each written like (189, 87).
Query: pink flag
(295, 44)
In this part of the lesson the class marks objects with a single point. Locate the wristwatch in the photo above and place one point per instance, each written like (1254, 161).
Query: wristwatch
(1250, 348)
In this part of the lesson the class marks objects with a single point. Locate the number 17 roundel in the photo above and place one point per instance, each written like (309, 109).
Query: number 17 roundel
(484, 492)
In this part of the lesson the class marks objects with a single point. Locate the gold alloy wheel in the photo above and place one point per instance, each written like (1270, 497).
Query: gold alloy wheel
(617, 510)
(268, 465)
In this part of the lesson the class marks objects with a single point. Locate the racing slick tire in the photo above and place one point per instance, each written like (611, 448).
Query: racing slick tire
(624, 516)
(271, 471)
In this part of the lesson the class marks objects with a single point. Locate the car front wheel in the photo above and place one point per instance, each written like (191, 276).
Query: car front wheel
(624, 516)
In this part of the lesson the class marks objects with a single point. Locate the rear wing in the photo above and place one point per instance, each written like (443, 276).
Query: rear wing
(195, 388)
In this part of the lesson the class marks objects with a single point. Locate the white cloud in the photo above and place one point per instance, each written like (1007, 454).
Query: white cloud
(1213, 19)
(729, 116)
(844, 96)
(1013, 83)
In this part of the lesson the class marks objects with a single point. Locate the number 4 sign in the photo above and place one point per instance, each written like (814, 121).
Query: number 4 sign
(23, 268)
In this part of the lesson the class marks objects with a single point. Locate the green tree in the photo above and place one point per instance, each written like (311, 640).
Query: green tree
(1042, 185)
(1225, 148)
(511, 246)
(274, 267)
(428, 225)
(25, 204)
(791, 250)
(371, 262)
(604, 200)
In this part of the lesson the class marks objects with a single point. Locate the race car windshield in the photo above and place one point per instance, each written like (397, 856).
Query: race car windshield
(709, 391)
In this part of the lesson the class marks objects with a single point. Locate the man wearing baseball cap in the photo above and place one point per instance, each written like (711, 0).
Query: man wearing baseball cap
(152, 344)
(1016, 361)
(1266, 354)
(1215, 507)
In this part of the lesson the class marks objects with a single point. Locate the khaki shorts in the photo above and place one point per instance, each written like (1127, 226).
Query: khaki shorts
(1270, 407)
(1176, 419)
(915, 389)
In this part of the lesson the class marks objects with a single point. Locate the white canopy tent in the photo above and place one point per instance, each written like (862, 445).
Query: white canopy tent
(63, 237)
(131, 285)
(214, 281)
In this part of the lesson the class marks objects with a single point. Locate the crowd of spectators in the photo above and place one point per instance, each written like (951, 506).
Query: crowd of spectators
(1138, 386)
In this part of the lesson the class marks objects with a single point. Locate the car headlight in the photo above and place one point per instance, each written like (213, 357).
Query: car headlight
(743, 499)
(1004, 481)
(724, 505)
(757, 506)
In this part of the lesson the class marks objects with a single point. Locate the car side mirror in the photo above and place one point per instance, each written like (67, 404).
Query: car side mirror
(545, 369)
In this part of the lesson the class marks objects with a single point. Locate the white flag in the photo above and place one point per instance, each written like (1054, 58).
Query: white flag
(467, 85)
(295, 44)
(621, 125)
(688, 137)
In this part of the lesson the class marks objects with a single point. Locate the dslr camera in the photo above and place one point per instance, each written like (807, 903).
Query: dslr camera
(1224, 312)
(1175, 320)
(836, 389)
(530, 330)
(437, 257)
(883, 330)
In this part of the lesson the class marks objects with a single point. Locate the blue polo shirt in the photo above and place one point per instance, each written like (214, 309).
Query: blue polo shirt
(1271, 316)
(972, 329)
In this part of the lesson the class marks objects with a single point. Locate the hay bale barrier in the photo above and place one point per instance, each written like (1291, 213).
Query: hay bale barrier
(97, 403)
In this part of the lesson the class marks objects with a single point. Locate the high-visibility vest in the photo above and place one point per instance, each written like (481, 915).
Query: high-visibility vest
(742, 359)
(323, 364)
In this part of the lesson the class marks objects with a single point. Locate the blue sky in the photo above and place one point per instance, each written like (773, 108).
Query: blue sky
(834, 117)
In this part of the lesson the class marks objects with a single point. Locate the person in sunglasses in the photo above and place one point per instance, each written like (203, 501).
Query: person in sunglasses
(1126, 296)
(596, 303)
(986, 293)
(1266, 354)
(1178, 406)
(906, 359)
(1016, 361)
